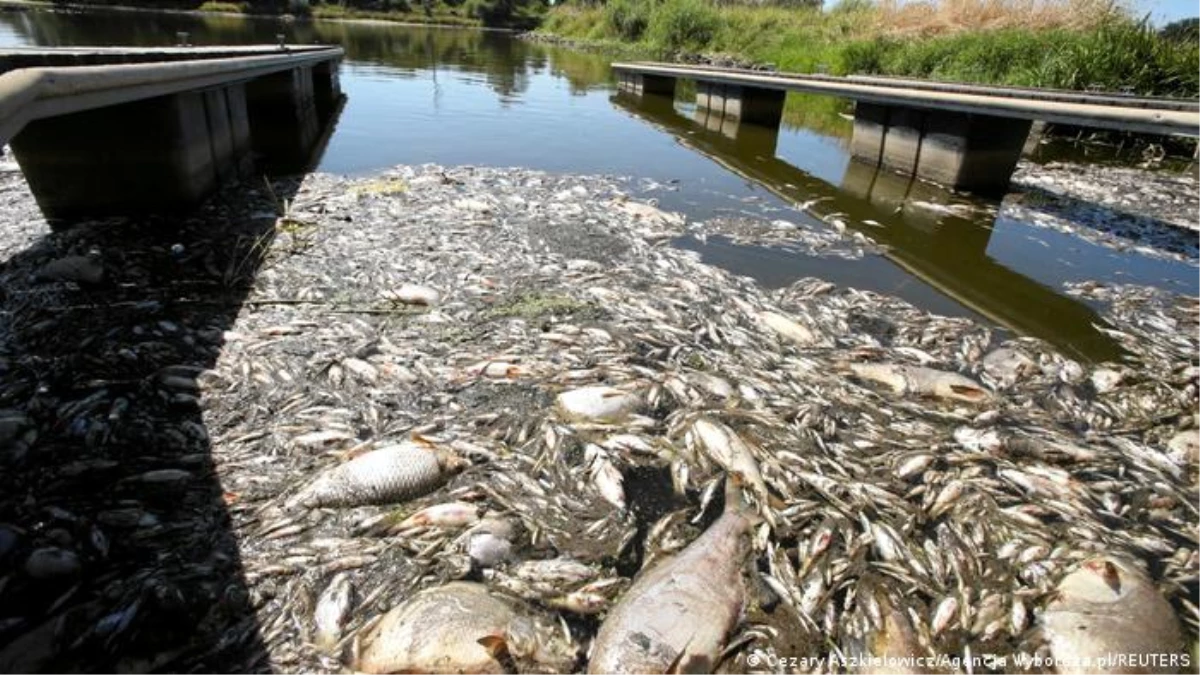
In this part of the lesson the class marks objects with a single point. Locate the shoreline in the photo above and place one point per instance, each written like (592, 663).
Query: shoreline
(35, 4)
(179, 400)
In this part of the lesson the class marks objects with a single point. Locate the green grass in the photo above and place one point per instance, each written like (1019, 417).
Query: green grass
(1112, 53)
(440, 15)
(230, 7)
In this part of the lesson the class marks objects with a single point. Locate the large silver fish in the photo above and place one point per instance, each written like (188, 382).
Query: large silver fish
(392, 474)
(922, 381)
(1107, 611)
(681, 610)
(462, 628)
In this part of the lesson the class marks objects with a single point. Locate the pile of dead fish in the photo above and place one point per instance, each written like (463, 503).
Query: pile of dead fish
(482, 420)
(1150, 213)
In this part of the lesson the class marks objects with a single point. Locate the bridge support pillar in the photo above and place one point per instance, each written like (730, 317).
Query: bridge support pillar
(750, 105)
(283, 118)
(327, 89)
(963, 151)
(158, 154)
(640, 85)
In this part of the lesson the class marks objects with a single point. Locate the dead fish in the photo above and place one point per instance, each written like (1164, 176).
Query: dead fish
(414, 294)
(892, 646)
(1108, 607)
(788, 329)
(914, 465)
(922, 381)
(490, 541)
(1105, 380)
(1008, 365)
(450, 514)
(1184, 447)
(460, 628)
(332, 611)
(555, 571)
(728, 450)
(684, 605)
(944, 614)
(391, 474)
(605, 476)
(580, 602)
(598, 404)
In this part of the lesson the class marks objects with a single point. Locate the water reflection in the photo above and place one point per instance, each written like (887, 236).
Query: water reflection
(944, 247)
(469, 97)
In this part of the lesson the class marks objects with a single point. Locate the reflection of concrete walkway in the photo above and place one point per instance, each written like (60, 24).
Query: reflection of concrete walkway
(943, 246)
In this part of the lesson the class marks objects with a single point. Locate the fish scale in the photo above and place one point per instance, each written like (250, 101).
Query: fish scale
(390, 474)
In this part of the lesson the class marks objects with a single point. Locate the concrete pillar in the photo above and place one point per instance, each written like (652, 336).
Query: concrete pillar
(639, 84)
(746, 104)
(150, 155)
(902, 140)
(327, 88)
(1033, 141)
(656, 84)
(283, 118)
(963, 151)
(239, 128)
(220, 135)
(762, 106)
(870, 126)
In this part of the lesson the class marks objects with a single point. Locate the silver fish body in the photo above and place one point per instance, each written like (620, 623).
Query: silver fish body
(922, 381)
(387, 475)
(332, 611)
(688, 602)
(448, 629)
(1108, 607)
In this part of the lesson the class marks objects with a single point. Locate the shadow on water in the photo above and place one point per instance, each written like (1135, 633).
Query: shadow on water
(117, 552)
(923, 234)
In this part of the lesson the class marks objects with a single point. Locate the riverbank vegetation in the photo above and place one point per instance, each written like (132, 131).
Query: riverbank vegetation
(521, 14)
(1074, 44)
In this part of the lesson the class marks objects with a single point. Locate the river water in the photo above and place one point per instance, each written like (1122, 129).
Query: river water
(467, 97)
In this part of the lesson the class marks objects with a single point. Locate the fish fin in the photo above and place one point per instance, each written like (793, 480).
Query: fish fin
(495, 645)
(973, 393)
(418, 438)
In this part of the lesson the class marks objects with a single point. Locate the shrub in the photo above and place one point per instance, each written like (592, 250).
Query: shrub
(627, 18)
(684, 24)
(1184, 30)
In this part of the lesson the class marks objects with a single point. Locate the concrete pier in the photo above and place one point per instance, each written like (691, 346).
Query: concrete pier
(960, 150)
(327, 89)
(283, 115)
(161, 153)
(750, 105)
(638, 84)
(966, 137)
(146, 135)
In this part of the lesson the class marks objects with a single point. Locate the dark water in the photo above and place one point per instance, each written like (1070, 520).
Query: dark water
(457, 97)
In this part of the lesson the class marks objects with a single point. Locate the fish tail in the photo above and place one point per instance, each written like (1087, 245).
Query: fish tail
(736, 489)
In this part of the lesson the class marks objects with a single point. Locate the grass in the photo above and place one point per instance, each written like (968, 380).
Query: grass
(1072, 44)
(227, 7)
(440, 15)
